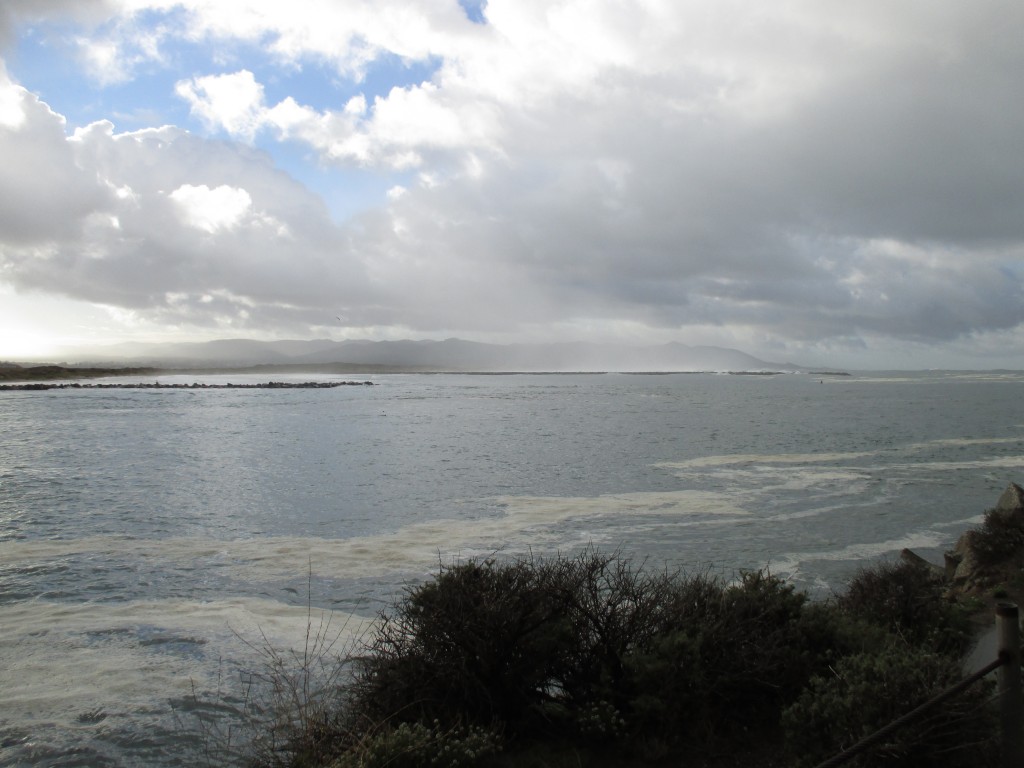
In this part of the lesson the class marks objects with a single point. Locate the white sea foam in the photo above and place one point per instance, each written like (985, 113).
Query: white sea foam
(526, 520)
(766, 479)
(999, 462)
(966, 376)
(752, 476)
(62, 659)
(789, 564)
(72, 660)
(876, 380)
(758, 458)
(752, 485)
(963, 523)
(549, 509)
(986, 376)
(965, 441)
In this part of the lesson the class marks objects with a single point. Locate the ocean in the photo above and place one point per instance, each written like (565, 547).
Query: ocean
(155, 542)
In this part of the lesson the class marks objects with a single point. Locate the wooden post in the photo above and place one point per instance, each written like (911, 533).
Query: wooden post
(1011, 705)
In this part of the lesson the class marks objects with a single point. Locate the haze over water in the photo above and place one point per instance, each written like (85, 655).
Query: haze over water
(146, 536)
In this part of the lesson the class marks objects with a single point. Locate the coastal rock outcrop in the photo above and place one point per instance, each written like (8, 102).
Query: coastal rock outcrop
(971, 566)
(1010, 507)
(936, 572)
(962, 564)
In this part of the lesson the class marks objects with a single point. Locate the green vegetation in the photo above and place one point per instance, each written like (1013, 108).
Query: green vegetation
(865, 691)
(910, 602)
(13, 372)
(595, 661)
(998, 541)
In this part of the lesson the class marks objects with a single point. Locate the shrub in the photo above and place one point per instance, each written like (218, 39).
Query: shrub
(867, 691)
(727, 664)
(414, 745)
(763, 653)
(999, 538)
(615, 611)
(478, 644)
(907, 600)
(591, 650)
(592, 655)
(293, 702)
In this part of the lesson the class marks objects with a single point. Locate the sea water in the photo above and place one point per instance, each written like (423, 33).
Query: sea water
(154, 543)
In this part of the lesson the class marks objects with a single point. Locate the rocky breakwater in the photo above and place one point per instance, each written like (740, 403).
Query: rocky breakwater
(194, 385)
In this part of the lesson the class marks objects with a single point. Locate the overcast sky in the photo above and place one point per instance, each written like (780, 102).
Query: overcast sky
(812, 180)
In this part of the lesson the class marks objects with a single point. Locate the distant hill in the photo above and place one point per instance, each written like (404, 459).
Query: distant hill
(447, 355)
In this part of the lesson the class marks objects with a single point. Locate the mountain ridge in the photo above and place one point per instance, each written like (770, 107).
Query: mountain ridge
(448, 355)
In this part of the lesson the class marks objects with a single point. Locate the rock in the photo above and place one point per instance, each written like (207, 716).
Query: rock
(963, 568)
(933, 570)
(1010, 507)
(952, 559)
(967, 567)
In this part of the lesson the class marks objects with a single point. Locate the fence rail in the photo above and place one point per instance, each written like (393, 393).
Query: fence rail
(1011, 705)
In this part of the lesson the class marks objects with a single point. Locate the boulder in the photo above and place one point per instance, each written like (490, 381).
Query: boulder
(915, 559)
(1010, 507)
(967, 569)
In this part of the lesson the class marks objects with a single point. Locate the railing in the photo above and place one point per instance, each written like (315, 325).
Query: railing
(1011, 705)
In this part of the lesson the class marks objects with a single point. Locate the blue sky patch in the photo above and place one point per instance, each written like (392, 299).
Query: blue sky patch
(47, 62)
(474, 10)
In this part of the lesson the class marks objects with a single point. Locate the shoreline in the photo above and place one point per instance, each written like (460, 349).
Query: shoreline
(35, 386)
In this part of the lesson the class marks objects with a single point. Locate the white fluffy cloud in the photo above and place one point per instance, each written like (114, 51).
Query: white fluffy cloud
(806, 177)
(212, 210)
(234, 102)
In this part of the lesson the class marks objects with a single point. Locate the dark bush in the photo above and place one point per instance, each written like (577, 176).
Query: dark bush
(763, 654)
(483, 642)
(617, 611)
(999, 538)
(728, 663)
(542, 647)
(594, 650)
(906, 599)
(592, 657)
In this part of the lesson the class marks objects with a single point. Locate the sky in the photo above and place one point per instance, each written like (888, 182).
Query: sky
(816, 181)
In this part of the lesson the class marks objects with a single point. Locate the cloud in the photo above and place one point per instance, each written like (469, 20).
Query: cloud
(798, 175)
(12, 111)
(162, 222)
(397, 131)
(43, 192)
(233, 102)
(110, 57)
(212, 210)
(14, 12)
